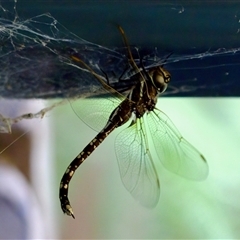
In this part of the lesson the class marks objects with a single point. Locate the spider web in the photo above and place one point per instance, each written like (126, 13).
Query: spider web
(36, 57)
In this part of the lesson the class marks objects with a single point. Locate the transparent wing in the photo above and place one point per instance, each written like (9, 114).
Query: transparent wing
(136, 167)
(95, 112)
(176, 154)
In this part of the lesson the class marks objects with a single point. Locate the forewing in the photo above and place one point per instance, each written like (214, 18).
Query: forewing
(136, 167)
(95, 112)
(176, 154)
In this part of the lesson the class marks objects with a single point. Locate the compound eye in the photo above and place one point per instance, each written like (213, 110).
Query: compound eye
(161, 78)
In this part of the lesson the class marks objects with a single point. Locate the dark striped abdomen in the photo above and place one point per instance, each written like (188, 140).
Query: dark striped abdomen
(63, 194)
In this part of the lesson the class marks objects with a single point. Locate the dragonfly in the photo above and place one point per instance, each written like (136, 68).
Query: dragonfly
(148, 129)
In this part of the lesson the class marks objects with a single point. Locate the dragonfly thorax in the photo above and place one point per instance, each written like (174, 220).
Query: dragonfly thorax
(143, 97)
(145, 93)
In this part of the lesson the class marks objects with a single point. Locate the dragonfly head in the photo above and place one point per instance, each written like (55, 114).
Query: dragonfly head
(160, 78)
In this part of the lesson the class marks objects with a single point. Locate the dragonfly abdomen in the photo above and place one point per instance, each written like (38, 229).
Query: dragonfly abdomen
(79, 159)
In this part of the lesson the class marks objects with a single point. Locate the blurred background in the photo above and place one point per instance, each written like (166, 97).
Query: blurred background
(102, 206)
(209, 209)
